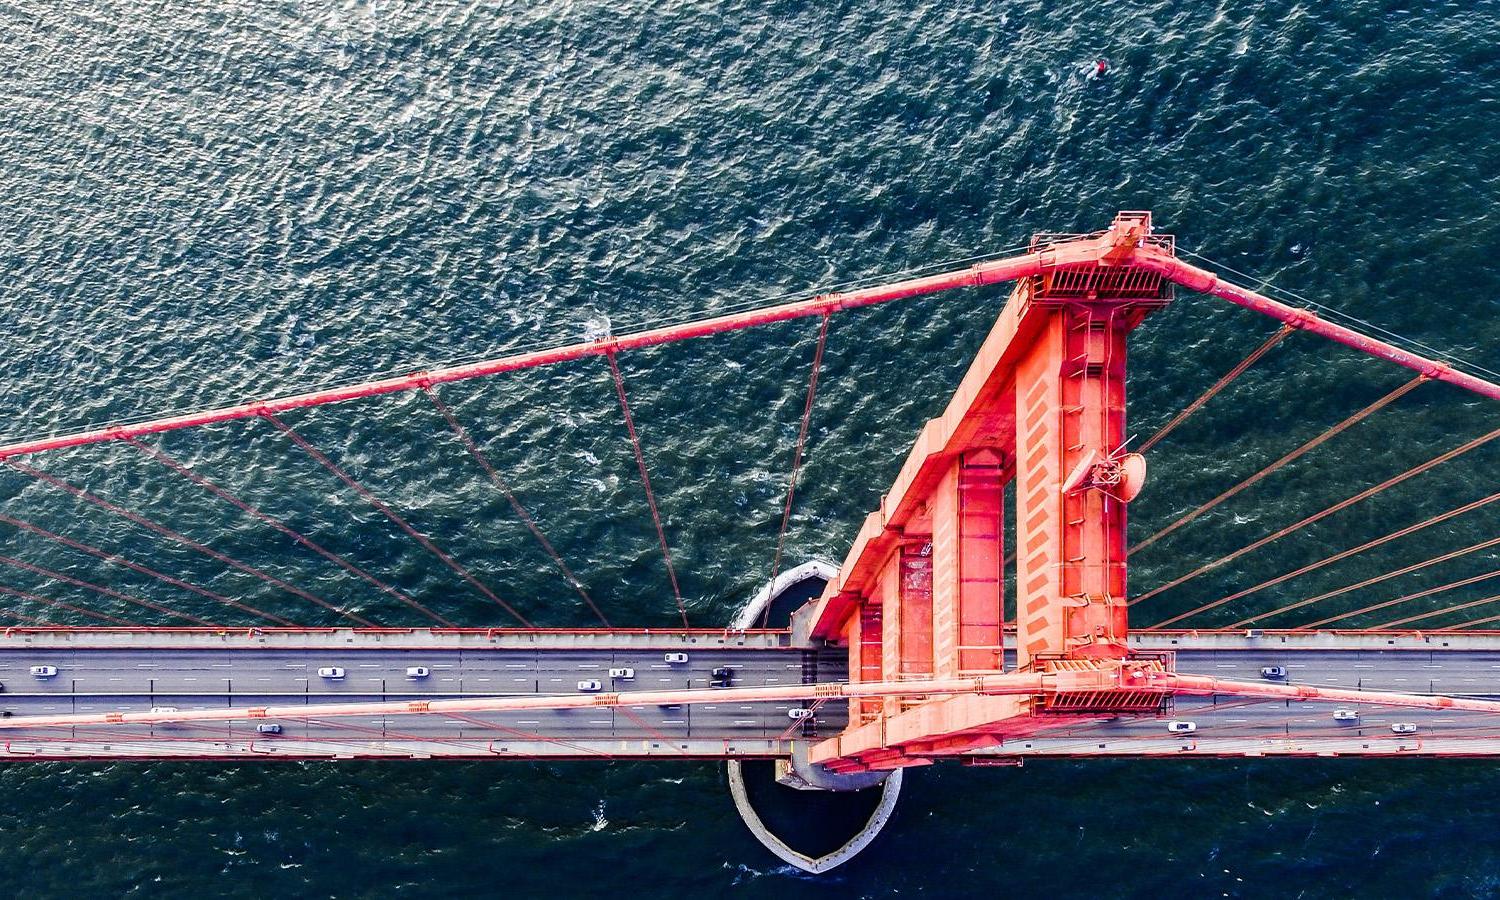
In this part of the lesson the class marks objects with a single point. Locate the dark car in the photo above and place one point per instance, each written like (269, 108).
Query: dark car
(721, 677)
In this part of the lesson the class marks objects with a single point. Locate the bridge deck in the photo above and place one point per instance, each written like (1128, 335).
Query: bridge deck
(135, 670)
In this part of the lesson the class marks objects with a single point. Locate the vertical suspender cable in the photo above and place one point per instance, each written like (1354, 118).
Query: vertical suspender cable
(1313, 444)
(183, 539)
(503, 486)
(640, 462)
(391, 514)
(791, 485)
(285, 529)
(118, 560)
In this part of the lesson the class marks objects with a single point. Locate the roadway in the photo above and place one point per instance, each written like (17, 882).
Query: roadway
(124, 671)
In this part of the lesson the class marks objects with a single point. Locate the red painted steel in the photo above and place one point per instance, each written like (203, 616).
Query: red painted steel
(1206, 282)
(984, 273)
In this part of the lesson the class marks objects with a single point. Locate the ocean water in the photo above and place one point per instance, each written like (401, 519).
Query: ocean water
(205, 202)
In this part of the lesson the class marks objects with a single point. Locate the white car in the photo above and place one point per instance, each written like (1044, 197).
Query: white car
(268, 728)
(1345, 715)
(590, 685)
(417, 671)
(1403, 728)
(622, 673)
(164, 709)
(798, 712)
(1179, 727)
(43, 671)
(1273, 673)
(333, 672)
(676, 658)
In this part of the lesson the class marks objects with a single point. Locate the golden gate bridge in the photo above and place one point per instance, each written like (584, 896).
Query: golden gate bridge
(905, 657)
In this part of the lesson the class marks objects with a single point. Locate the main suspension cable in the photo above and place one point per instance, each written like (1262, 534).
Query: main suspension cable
(1217, 386)
(1338, 592)
(503, 487)
(1329, 560)
(391, 514)
(182, 539)
(101, 589)
(1322, 514)
(1313, 444)
(640, 462)
(791, 485)
(250, 510)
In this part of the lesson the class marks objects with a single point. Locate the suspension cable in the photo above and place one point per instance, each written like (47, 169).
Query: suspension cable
(1329, 560)
(1437, 612)
(1341, 505)
(101, 589)
(1472, 622)
(119, 560)
(176, 466)
(1313, 444)
(182, 539)
(1218, 386)
(1405, 570)
(640, 462)
(791, 486)
(1462, 582)
(503, 487)
(48, 601)
(391, 514)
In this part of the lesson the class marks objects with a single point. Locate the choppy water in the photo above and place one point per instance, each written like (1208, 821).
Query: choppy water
(210, 201)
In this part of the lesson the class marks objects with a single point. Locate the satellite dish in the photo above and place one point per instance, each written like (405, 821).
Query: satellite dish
(1132, 476)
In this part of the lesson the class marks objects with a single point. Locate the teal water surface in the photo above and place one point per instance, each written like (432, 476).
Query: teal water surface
(210, 202)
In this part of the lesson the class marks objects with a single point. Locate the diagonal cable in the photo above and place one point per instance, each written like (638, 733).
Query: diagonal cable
(101, 589)
(1329, 560)
(640, 462)
(250, 510)
(119, 560)
(503, 486)
(1322, 514)
(1217, 386)
(391, 514)
(182, 539)
(1313, 444)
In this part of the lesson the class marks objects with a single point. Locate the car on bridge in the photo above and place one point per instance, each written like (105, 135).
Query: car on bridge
(43, 671)
(676, 658)
(417, 671)
(1273, 673)
(1343, 714)
(1180, 727)
(268, 728)
(799, 713)
(1403, 728)
(722, 677)
(333, 673)
(590, 685)
(622, 673)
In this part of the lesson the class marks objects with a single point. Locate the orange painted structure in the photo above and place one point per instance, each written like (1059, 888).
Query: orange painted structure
(1041, 409)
